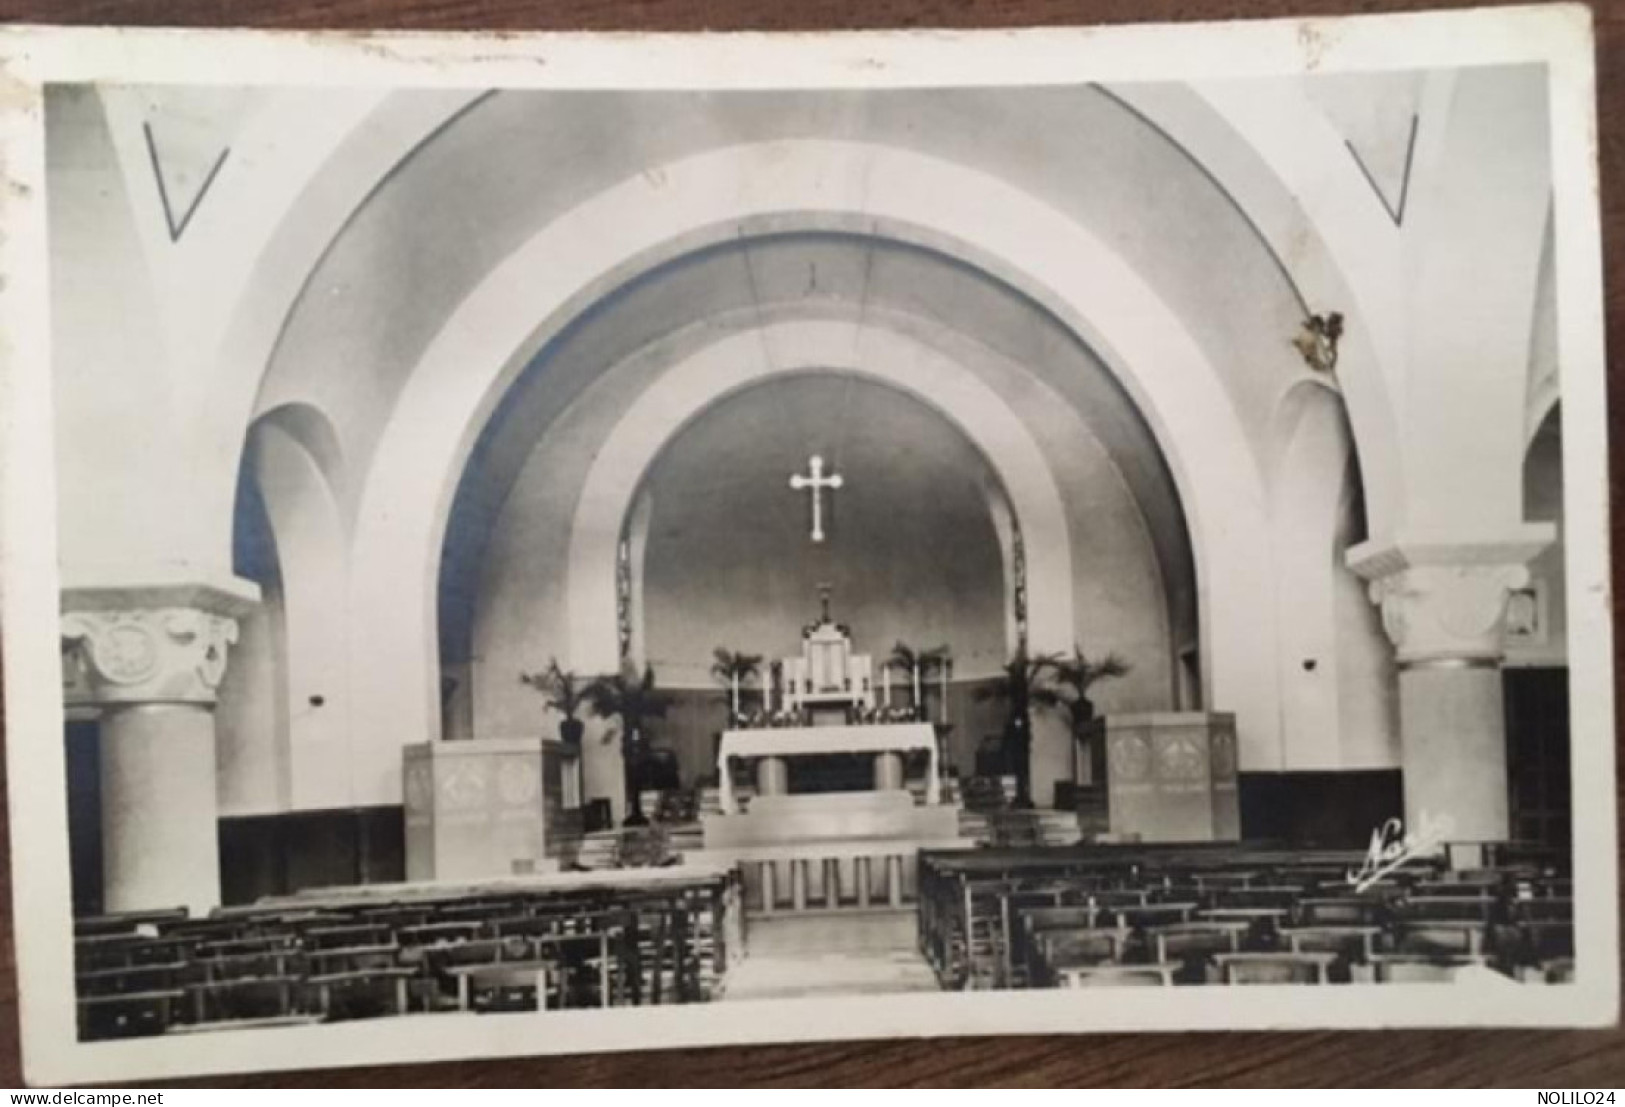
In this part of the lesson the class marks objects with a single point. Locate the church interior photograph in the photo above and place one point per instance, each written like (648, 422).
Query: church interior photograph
(540, 550)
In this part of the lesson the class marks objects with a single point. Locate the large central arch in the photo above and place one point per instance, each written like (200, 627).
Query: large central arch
(737, 362)
(966, 214)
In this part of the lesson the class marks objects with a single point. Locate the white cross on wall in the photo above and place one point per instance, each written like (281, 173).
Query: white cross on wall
(817, 482)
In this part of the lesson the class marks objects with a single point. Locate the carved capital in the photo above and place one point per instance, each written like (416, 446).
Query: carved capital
(1447, 613)
(165, 654)
(1443, 597)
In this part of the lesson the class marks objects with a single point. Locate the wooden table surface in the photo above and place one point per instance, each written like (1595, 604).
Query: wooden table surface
(1547, 1059)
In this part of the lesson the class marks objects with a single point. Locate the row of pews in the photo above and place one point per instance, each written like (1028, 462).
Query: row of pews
(623, 938)
(1083, 917)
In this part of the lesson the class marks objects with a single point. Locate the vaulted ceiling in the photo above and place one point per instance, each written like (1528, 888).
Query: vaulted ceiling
(504, 168)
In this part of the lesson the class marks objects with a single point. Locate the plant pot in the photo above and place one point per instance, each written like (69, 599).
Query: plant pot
(571, 730)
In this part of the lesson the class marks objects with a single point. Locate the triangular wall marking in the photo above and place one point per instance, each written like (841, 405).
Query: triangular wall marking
(177, 227)
(1396, 211)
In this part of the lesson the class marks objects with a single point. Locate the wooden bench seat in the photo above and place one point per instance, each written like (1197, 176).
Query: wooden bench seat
(1253, 916)
(1116, 975)
(1258, 896)
(1464, 937)
(391, 983)
(131, 978)
(119, 950)
(1151, 914)
(1441, 908)
(426, 934)
(263, 996)
(269, 1022)
(1547, 909)
(506, 986)
(1352, 941)
(1054, 950)
(128, 922)
(1341, 911)
(128, 1014)
(1274, 968)
(1174, 942)
(257, 945)
(349, 936)
(1408, 968)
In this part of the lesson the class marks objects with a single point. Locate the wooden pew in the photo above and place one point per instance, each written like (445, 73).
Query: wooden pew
(1185, 941)
(1096, 976)
(1076, 947)
(1353, 942)
(128, 1014)
(244, 998)
(1274, 968)
(128, 922)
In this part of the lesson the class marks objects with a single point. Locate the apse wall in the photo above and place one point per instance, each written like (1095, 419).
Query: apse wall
(910, 547)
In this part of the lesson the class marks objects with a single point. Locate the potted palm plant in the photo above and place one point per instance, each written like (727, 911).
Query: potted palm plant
(1073, 675)
(1023, 682)
(633, 699)
(565, 693)
(734, 671)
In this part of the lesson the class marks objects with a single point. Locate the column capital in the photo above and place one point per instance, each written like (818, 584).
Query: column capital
(157, 643)
(1444, 601)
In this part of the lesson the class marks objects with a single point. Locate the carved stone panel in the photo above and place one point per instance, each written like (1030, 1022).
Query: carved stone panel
(1171, 777)
(479, 809)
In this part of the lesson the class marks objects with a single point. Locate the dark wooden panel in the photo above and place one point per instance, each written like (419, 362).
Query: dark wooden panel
(1329, 810)
(1537, 713)
(1565, 1059)
(82, 750)
(268, 855)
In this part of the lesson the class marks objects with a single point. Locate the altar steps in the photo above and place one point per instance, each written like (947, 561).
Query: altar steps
(605, 849)
(830, 954)
(1017, 828)
(710, 802)
(1094, 818)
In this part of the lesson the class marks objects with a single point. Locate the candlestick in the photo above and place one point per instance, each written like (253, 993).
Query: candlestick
(919, 707)
(736, 695)
(942, 708)
(887, 670)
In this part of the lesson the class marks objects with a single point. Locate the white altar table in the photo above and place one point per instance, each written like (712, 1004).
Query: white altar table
(895, 738)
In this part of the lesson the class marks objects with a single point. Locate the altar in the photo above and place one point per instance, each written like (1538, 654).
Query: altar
(769, 747)
(839, 846)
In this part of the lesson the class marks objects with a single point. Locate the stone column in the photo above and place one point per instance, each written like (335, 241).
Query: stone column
(1444, 610)
(150, 663)
(772, 777)
(888, 771)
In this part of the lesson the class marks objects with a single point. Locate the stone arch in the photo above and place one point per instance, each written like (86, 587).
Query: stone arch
(293, 457)
(298, 214)
(1543, 504)
(1058, 263)
(1334, 661)
(1268, 155)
